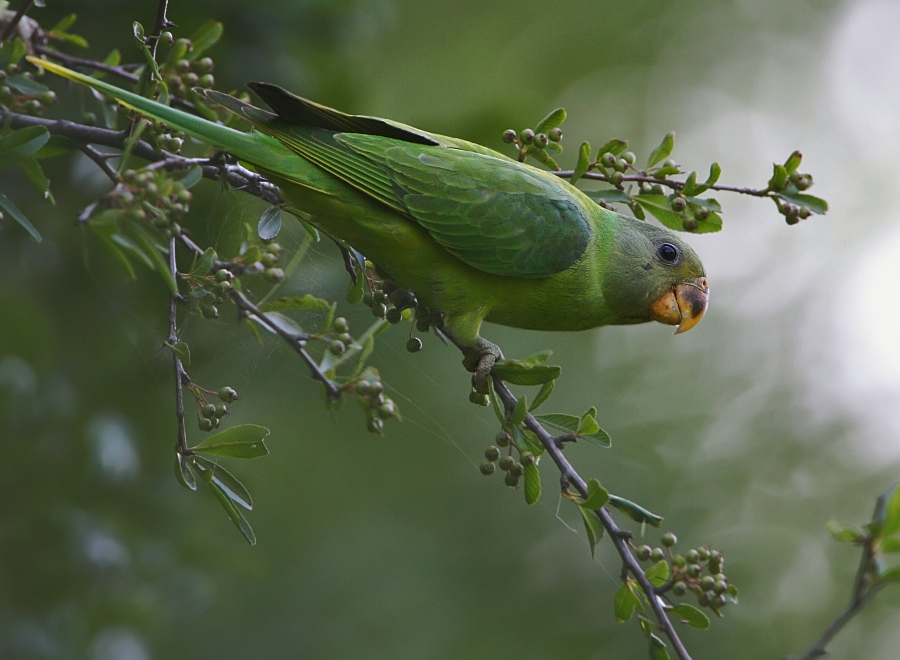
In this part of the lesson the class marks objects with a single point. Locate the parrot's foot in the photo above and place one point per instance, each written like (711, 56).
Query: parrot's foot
(480, 359)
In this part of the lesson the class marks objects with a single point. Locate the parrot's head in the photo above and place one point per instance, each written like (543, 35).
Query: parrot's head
(655, 276)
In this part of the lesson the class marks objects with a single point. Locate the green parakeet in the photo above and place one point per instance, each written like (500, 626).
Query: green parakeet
(468, 230)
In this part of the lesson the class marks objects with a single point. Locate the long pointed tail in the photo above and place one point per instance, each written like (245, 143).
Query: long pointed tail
(255, 148)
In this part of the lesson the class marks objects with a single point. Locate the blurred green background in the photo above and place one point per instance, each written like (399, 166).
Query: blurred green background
(776, 414)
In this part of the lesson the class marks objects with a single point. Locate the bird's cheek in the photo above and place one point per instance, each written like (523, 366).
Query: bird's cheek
(665, 309)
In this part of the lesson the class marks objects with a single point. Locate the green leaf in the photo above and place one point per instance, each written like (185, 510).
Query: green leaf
(551, 121)
(16, 145)
(691, 616)
(592, 526)
(814, 204)
(522, 375)
(532, 483)
(890, 575)
(663, 150)
(25, 85)
(64, 23)
(495, 404)
(588, 422)
(609, 196)
(560, 421)
(284, 323)
(779, 177)
(126, 243)
(519, 412)
(543, 394)
(182, 350)
(584, 162)
(206, 36)
(304, 303)
(793, 162)
(10, 208)
(35, 173)
(658, 207)
(624, 603)
(658, 650)
(844, 534)
(635, 512)
(205, 262)
(690, 185)
(614, 147)
(597, 496)
(236, 517)
(184, 473)
(658, 573)
(233, 488)
(890, 545)
(543, 157)
(715, 171)
(244, 441)
(269, 223)
(192, 177)
(355, 292)
(152, 249)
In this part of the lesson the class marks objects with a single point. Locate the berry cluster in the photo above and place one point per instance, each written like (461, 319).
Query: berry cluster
(507, 463)
(370, 391)
(527, 137)
(698, 571)
(390, 302)
(210, 414)
(184, 75)
(19, 92)
(152, 195)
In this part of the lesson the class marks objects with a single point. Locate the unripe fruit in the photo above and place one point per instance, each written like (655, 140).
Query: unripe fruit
(341, 324)
(205, 424)
(679, 588)
(228, 395)
(387, 410)
(492, 453)
(509, 136)
(608, 159)
(487, 468)
(541, 140)
(678, 204)
(208, 410)
(221, 410)
(555, 134)
(268, 259)
(274, 275)
(394, 315)
(658, 554)
(629, 157)
(507, 462)
(375, 425)
(503, 439)
(337, 348)
(527, 458)
(379, 310)
(511, 480)
(692, 556)
(644, 552)
(414, 345)
(526, 136)
(668, 539)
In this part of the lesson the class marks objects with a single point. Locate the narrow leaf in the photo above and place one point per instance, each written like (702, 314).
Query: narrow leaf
(205, 262)
(236, 517)
(519, 412)
(609, 196)
(517, 373)
(561, 421)
(658, 650)
(584, 162)
(244, 441)
(206, 36)
(635, 512)
(793, 162)
(658, 207)
(614, 147)
(19, 144)
(269, 223)
(532, 483)
(543, 394)
(663, 150)
(13, 211)
(233, 488)
(551, 121)
(592, 526)
(779, 177)
(182, 350)
(624, 603)
(184, 473)
(35, 173)
(192, 177)
(814, 204)
(152, 248)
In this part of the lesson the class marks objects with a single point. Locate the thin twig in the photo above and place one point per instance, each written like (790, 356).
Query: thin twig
(181, 376)
(675, 185)
(616, 534)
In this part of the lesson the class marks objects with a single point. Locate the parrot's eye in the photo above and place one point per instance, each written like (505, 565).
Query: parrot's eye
(668, 253)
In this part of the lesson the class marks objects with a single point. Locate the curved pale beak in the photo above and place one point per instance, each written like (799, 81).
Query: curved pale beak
(682, 305)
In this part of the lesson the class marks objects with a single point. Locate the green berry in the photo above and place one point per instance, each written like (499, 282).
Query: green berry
(414, 345)
(509, 136)
(702, 553)
(387, 409)
(644, 552)
(503, 439)
(555, 134)
(228, 395)
(375, 387)
(511, 480)
(274, 275)
(210, 312)
(620, 165)
(368, 299)
(207, 81)
(693, 556)
(268, 259)
(380, 297)
(720, 586)
(492, 453)
(541, 140)
(337, 348)
(658, 554)
(205, 424)
(375, 425)
(506, 463)
(629, 157)
(340, 324)
(487, 468)
(422, 325)
(379, 310)
(669, 163)
(517, 469)
(679, 561)
(479, 399)
(679, 588)
(527, 458)
(678, 204)
(221, 410)
(693, 570)
(394, 315)
(224, 275)
(526, 136)
(206, 64)
(669, 539)
(707, 582)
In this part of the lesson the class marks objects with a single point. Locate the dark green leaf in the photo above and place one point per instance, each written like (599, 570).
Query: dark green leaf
(205, 262)
(233, 488)
(269, 223)
(793, 162)
(551, 121)
(19, 217)
(779, 178)
(127, 244)
(206, 36)
(609, 196)
(663, 150)
(192, 177)
(304, 303)
(890, 544)
(658, 573)
(592, 526)
(715, 171)
(519, 373)
(355, 292)
(521, 409)
(543, 394)
(844, 534)
(532, 483)
(614, 147)
(597, 496)
(16, 145)
(690, 185)
(115, 250)
(35, 173)
(588, 421)
(667, 171)
(523, 442)
(182, 350)
(184, 473)
(236, 517)
(891, 575)
(624, 603)
(284, 323)
(64, 23)
(24, 85)
(658, 207)
(691, 616)
(814, 204)
(635, 512)
(560, 421)
(244, 441)
(732, 593)
(658, 650)
(584, 162)
(153, 250)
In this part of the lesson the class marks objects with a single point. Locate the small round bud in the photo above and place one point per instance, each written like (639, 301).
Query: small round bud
(379, 310)
(274, 275)
(48, 97)
(394, 315)
(657, 189)
(375, 425)
(702, 553)
(205, 424)
(620, 165)
(228, 395)
(487, 468)
(210, 312)
(678, 204)
(541, 140)
(668, 539)
(679, 588)
(703, 599)
(509, 136)
(221, 410)
(615, 178)
(368, 299)
(679, 561)
(720, 586)
(608, 159)
(669, 163)
(658, 554)
(337, 348)
(414, 345)
(629, 157)
(224, 275)
(492, 453)
(511, 480)
(690, 224)
(707, 582)
(268, 259)
(206, 64)
(208, 410)
(341, 324)
(555, 134)
(387, 409)
(692, 556)
(693, 570)
(517, 469)
(363, 387)
(526, 136)
(506, 463)
(207, 81)
(379, 297)
(503, 439)
(644, 552)
(527, 458)
(719, 601)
